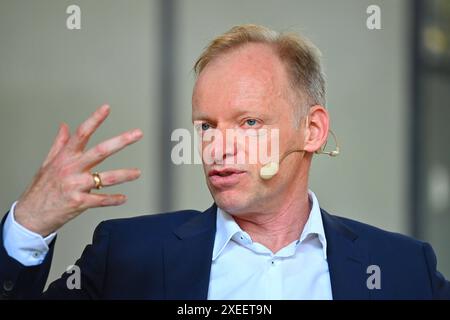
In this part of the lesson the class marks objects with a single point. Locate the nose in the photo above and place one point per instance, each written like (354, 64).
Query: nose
(222, 146)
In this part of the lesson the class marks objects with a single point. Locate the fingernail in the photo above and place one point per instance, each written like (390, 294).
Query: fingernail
(138, 133)
(61, 127)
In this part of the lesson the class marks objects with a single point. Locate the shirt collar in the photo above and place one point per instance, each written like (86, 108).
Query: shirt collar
(227, 228)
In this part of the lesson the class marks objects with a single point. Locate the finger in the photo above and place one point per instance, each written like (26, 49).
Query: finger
(95, 200)
(109, 178)
(97, 154)
(60, 141)
(88, 127)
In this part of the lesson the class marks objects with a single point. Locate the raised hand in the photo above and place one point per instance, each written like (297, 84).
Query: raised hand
(60, 190)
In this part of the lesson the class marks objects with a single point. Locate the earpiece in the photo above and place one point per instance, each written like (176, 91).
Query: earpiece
(271, 169)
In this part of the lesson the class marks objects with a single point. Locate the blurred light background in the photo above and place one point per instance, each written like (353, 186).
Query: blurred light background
(388, 96)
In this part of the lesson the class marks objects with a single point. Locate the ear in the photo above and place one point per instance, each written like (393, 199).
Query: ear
(316, 130)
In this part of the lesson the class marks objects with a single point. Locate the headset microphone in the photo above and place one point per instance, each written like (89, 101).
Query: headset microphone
(271, 169)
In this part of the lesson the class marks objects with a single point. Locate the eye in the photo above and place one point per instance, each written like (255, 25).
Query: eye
(251, 122)
(205, 126)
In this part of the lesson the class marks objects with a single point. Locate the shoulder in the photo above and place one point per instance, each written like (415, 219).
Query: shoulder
(156, 225)
(380, 241)
(400, 258)
(374, 234)
(393, 250)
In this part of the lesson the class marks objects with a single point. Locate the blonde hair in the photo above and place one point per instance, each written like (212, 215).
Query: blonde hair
(300, 57)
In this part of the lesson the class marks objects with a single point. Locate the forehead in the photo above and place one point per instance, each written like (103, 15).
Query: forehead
(252, 72)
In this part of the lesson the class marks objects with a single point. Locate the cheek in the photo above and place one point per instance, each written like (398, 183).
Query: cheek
(258, 147)
(251, 182)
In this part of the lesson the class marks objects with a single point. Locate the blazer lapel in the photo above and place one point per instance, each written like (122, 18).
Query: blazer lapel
(188, 256)
(347, 261)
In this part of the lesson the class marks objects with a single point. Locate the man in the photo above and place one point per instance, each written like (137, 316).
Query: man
(265, 237)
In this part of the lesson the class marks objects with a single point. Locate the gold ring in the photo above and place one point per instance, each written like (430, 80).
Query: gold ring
(97, 180)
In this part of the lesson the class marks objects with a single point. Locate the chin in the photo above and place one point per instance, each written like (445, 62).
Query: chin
(231, 201)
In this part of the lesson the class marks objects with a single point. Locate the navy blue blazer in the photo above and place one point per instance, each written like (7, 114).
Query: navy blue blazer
(168, 256)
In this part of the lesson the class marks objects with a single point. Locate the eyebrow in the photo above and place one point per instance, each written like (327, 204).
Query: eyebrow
(198, 114)
(203, 116)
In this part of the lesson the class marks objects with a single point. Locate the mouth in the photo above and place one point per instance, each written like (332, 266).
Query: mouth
(225, 178)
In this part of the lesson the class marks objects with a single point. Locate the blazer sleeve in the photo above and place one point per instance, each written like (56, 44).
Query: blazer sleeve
(439, 285)
(20, 282)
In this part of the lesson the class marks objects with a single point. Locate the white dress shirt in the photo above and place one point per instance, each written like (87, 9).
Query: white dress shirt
(27, 247)
(243, 269)
(240, 269)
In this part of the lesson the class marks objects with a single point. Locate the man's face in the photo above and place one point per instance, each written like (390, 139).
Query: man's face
(246, 90)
